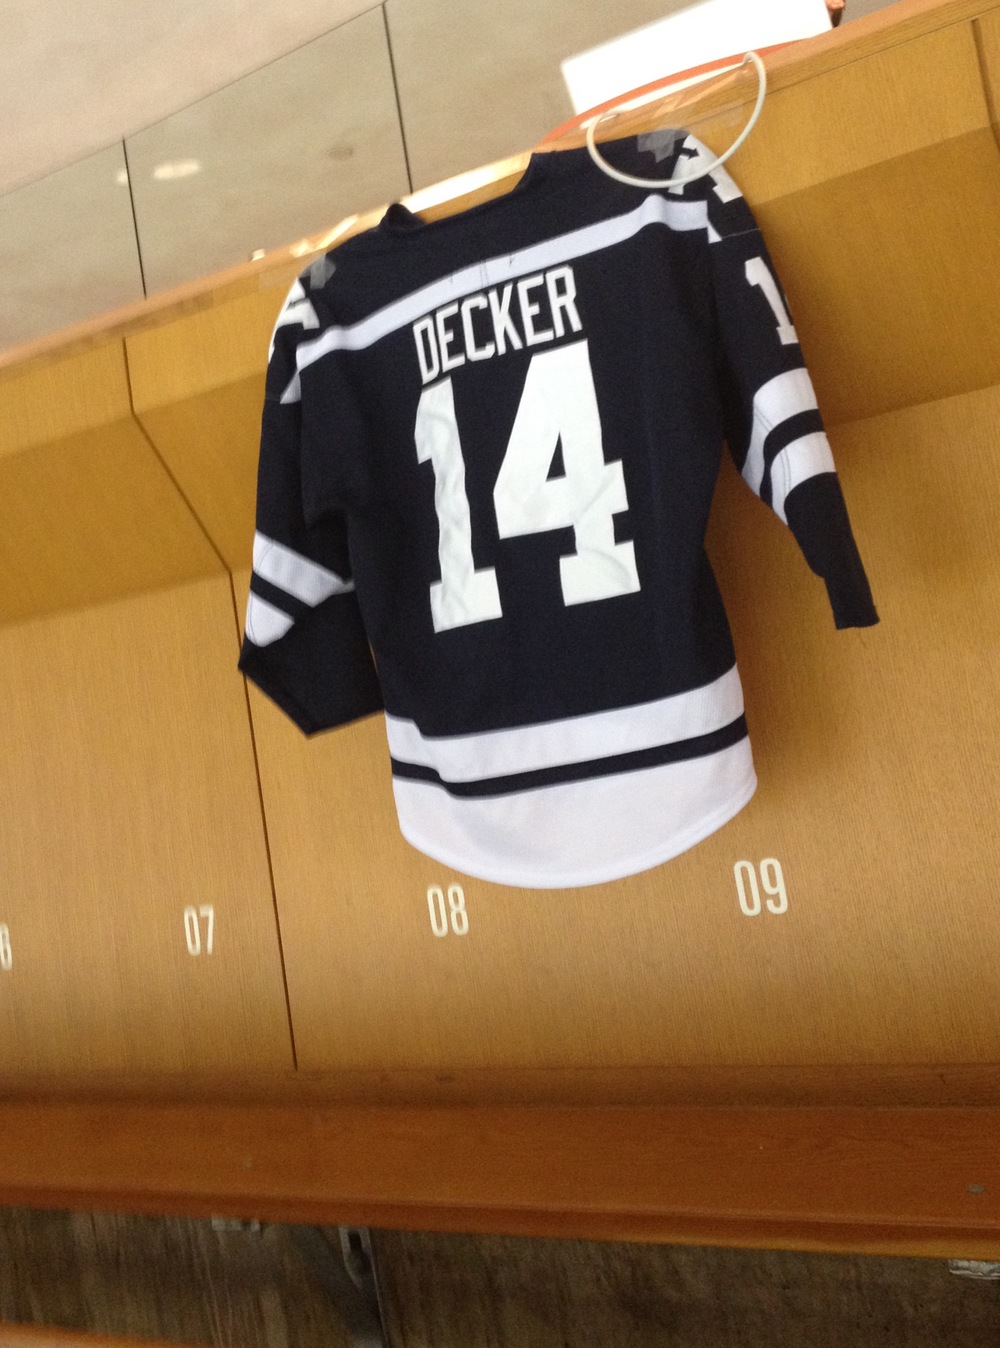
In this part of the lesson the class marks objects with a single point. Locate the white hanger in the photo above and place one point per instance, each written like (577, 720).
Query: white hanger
(704, 170)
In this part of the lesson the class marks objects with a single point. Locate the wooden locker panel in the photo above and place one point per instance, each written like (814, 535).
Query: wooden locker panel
(909, 97)
(874, 752)
(197, 387)
(87, 511)
(129, 806)
(886, 277)
(988, 39)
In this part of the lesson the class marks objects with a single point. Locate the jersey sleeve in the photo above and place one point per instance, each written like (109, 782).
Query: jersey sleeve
(773, 425)
(304, 643)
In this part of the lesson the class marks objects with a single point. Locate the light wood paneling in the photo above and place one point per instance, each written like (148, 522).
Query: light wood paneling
(87, 510)
(878, 188)
(886, 277)
(44, 403)
(911, 97)
(199, 352)
(128, 794)
(987, 30)
(823, 119)
(198, 386)
(874, 750)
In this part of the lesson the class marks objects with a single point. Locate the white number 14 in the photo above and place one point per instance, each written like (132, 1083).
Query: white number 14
(558, 408)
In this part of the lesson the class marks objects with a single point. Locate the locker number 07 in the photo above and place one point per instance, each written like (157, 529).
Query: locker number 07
(199, 929)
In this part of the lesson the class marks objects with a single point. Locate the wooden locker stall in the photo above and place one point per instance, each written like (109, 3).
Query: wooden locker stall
(689, 1040)
(137, 927)
(138, 918)
(203, 415)
(87, 511)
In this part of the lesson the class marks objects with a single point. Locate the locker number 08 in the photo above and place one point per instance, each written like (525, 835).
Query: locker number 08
(447, 915)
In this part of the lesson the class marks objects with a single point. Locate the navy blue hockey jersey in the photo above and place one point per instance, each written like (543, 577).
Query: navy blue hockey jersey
(489, 448)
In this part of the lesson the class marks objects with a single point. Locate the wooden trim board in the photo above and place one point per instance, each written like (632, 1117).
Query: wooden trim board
(899, 1181)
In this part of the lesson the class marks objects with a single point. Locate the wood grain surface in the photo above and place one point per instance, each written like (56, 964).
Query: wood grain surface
(197, 390)
(877, 1181)
(88, 511)
(128, 796)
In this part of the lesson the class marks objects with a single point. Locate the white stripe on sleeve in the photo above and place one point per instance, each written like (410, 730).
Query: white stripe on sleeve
(265, 623)
(784, 396)
(796, 463)
(306, 580)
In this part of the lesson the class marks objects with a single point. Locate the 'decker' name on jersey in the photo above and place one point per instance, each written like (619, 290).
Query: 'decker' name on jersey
(521, 313)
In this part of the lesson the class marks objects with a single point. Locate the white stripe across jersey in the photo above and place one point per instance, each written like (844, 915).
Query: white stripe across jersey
(677, 215)
(297, 576)
(573, 739)
(579, 833)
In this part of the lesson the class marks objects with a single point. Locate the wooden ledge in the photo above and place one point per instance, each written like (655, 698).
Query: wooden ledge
(886, 1181)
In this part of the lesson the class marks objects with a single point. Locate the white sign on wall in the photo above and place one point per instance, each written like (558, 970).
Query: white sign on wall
(693, 35)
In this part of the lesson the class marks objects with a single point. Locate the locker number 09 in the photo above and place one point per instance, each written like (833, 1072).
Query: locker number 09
(772, 881)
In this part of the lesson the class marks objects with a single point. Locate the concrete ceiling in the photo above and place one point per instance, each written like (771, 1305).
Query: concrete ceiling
(76, 77)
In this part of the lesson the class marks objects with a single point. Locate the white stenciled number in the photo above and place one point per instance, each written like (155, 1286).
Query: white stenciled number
(6, 954)
(448, 916)
(760, 274)
(747, 888)
(463, 595)
(456, 910)
(437, 910)
(772, 881)
(558, 410)
(193, 919)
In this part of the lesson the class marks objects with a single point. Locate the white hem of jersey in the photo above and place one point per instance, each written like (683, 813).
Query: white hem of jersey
(618, 869)
(571, 739)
